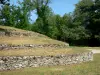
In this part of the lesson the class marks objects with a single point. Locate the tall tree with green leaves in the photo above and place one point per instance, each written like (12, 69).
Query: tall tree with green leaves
(23, 13)
(87, 12)
(4, 2)
(43, 11)
(17, 16)
(5, 15)
(4, 10)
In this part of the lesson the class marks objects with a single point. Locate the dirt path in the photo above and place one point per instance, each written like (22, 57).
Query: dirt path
(95, 51)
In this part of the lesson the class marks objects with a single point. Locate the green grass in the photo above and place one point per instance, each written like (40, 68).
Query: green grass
(88, 68)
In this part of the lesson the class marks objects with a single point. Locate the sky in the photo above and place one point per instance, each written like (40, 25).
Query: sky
(58, 6)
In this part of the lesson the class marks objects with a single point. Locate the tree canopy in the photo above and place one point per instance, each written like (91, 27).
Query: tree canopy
(81, 27)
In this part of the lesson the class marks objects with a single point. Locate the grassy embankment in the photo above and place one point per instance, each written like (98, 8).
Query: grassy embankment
(36, 38)
(88, 68)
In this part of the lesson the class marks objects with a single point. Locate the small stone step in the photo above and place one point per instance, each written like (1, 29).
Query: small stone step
(11, 46)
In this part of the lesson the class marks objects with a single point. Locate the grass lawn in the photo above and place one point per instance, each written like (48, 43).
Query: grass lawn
(88, 68)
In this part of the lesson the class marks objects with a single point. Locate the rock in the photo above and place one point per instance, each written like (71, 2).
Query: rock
(17, 62)
(11, 46)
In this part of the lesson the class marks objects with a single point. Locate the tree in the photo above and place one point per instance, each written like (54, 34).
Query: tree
(4, 2)
(23, 13)
(53, 31)
(17, 16)
(43, 11)
(5, 15)
(87, 12)
(41, 7)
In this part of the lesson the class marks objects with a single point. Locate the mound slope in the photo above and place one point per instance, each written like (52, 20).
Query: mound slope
(21, 48)
(10, 35)
(17, 42)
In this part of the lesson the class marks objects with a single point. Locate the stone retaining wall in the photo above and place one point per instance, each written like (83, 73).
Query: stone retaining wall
(12, 32)
(17, 62)
(20, 34)
(24, 46)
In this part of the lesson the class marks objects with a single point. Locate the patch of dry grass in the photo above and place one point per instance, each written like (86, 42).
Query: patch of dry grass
(12, 28)
(28, 40)
(40, 51)
(36, 52)
(36, 38)
(85, 48)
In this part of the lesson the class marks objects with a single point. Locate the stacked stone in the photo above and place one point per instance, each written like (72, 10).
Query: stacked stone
(17, 62)
(11, 46)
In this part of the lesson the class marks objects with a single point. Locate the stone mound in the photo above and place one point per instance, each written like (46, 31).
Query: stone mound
(17, 62)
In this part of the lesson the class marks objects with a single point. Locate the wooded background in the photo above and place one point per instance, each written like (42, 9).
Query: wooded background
(81, 27)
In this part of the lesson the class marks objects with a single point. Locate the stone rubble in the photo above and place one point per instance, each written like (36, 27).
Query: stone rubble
(17, 62)
(11, 46)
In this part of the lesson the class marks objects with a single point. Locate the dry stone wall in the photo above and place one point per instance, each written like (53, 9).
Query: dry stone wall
(4, 32)
(28, 46)
(17, 62)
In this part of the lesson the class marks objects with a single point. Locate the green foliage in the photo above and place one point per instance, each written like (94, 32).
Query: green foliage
(87, 12)
(4, 2)
(43, 12)
(38, 26)
(17, 16)
(80, 27)
(53, 31)
(6, 16)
